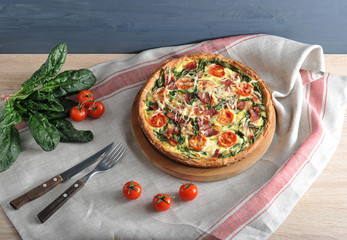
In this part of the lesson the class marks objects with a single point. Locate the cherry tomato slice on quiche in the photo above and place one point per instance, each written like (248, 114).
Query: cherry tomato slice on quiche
(226, 117)
(96, 110)
(185, 82)
(86, 98)
(188, 191)
(245, 89)
(216, 71)
(162, 202)
(198, 142)
(78, 113)
(132, 190)
(157, 120)
(227, 139)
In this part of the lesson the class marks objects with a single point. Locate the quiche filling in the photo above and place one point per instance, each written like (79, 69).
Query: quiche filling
(205, 109)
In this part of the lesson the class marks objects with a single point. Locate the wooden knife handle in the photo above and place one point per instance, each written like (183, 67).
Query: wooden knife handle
(36, 192)
(60, 201)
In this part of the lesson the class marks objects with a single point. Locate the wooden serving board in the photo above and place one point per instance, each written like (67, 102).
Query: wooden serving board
(192, 173)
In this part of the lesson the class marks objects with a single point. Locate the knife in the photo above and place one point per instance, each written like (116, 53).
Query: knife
(56, 180)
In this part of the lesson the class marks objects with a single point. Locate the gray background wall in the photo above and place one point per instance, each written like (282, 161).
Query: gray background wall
(114, 26)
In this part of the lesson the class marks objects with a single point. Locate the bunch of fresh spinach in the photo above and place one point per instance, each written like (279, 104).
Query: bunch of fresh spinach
(41, 103)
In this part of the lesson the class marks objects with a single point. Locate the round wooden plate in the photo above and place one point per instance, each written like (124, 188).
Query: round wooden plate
(191, 173)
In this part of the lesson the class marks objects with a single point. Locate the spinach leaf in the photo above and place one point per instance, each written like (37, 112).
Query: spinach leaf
(160, 136)
(202, 64)
(44, 133)
(48, 70)
(46, 105)
(9, 146)
(67, 105)
(9, 115)
(68, 83)
(70, 134)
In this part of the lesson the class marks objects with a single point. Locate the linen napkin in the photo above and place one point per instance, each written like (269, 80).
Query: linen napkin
(310, 105)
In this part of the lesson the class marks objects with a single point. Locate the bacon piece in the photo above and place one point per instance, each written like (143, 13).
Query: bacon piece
(204, 97)
(172, 129)
(175, 117)
(228, 82)
(211, 112)
(187, 97)
(203, 123)
(154, 106)
(244, 105)
(215, 154)
(255, 113)
(205, 127)
(210, 132)
(191, 65)
(169, 81)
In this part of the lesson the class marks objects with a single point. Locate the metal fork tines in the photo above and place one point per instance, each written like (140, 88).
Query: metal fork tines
(108, 161)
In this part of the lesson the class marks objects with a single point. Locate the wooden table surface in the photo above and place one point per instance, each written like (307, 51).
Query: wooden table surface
(320, 214)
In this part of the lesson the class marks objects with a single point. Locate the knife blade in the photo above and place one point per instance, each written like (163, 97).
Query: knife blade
(56, 180)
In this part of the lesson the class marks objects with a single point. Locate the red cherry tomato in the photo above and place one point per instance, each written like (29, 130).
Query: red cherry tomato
(86, 98)
(96, 110)
(157, 120)
(226, 117)
(227, 139)
(198, 142)
(132, 190)
(245, 89)
(162, 202)
(78, 113)
(188, 191)
(185, 82)
(216, 71)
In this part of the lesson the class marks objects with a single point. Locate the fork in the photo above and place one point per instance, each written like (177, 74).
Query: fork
(109, 160)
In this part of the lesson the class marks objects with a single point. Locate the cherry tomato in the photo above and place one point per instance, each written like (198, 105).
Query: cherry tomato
(132, 190)
(185, 82)
(188, 191)
(191, 66)
(225, 117)
(86, 98)
(78, 113)
(216, 71)
(245, 89)
(162, 202)
(157, 120)
(96, 110)
(227, 139)
(198, 142)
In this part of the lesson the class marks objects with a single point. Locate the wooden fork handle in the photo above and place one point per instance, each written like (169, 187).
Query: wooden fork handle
(59, 201)
(36, 192)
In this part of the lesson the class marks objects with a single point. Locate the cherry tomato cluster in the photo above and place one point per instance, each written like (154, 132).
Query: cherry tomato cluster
(161, 201)
(86, 106)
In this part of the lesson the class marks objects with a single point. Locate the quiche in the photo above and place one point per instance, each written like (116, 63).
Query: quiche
(205, 111)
